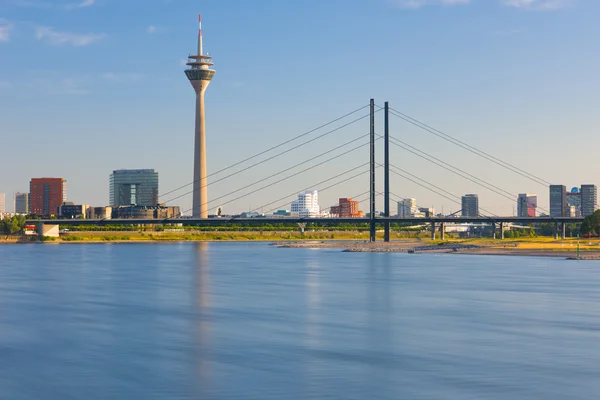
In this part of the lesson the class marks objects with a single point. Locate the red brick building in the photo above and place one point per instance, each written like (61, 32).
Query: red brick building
(46, 195)
(346, 208)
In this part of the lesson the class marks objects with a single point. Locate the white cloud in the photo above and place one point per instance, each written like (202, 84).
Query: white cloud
(122, 77)
(154, 29)
(56, 4)
(74, 39)
(5, 30)
(544, 5)
(422, 3)
(82, 4)
(58, 86)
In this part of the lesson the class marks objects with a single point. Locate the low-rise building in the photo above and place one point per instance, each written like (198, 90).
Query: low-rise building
(146, 212)
(72, 211)
(99, 213)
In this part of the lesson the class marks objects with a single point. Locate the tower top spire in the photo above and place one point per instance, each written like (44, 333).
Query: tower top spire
(200, 34)
(199, 60)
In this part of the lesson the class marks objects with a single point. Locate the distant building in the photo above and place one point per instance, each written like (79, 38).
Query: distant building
(2, 203)
(46, 195)
(558, 201)
(146, 212)
(470, 205)
(574, 203)
(346, 208)
(133, 186)
(22, 203)
(99, 213)
(407, 208)
(282, 213)
(426, 212)
(589, 199)
(526, 205)
(307, 205)
(73, 211)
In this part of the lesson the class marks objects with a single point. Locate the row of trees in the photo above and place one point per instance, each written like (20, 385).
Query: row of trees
(591, 224)
(12, 225)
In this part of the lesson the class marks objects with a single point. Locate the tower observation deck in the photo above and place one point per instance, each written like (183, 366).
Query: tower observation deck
(200, 75)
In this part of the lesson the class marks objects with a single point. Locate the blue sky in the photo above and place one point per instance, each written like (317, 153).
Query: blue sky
(89, 86)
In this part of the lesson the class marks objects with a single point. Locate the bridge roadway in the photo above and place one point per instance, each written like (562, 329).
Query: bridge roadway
(325, 221)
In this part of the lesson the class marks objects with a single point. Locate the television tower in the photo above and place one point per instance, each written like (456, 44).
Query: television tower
(200, 75)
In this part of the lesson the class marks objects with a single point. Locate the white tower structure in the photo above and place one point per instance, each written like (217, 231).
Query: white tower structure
(200, 76)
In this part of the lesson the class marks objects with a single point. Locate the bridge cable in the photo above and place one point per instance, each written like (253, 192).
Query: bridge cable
(285, 170)
(285, 178)
(468, 147)
(432, 190)
(277, 146)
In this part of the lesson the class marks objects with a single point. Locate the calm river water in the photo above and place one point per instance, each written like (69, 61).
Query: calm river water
(251, 321)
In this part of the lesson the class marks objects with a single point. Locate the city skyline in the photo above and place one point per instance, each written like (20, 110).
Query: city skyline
(258, 82)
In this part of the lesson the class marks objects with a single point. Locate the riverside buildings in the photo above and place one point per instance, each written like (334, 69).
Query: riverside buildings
(407, 208)
(21, 203)
(133, 186)
(46, 195)
(470, 205)
(558, 201)
(2, 203)
(526, 205)
(307, 205)
(346, 208)
(589, 199)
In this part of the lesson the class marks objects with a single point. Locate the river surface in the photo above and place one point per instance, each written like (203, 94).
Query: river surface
(251, 321)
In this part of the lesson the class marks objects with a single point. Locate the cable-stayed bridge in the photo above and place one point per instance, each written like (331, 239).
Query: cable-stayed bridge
(321, 161)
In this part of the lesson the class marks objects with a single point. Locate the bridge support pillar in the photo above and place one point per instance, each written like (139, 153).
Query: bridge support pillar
(302, 225)
(563, 230)
(432, 230)
(494, 230)
(442, 231)
(556, 231)
(502, 230)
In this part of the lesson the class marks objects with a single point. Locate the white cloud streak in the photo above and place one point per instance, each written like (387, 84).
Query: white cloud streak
(82, 4)
(540, 5)
(55, 37)
(421, 3)
(5, 30)
(56, 5)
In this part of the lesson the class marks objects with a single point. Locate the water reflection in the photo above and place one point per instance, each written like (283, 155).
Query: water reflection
(202, 271)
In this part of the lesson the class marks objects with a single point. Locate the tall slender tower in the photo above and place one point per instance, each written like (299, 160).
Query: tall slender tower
(200, 75)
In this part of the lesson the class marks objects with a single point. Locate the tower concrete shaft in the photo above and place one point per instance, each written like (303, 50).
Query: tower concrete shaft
(200, 75)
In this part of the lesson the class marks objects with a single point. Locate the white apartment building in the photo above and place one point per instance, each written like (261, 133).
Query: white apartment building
(407, 208)
(307, 205)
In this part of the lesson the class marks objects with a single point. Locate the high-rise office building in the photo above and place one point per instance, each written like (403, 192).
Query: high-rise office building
(2, 203)
(307, 205)
(470, 205)
(22, 203)
(46, 195)
(407, 208)
(589, 199)
(133, 186)
(526, 205)
(200, 75)
(558, 201)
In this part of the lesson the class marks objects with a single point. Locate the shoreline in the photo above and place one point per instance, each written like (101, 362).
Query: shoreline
(539, 248)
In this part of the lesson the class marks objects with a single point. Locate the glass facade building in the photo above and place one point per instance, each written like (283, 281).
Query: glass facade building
(589, 199)
(470, 205)
(133, 186)
(558, 201)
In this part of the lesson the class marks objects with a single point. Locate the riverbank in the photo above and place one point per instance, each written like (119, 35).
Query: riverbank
(538, 247)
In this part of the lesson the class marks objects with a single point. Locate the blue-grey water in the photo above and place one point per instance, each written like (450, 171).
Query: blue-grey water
(251, 321)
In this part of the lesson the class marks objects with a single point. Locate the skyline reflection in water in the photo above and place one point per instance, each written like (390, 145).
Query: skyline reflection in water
(248, 320)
